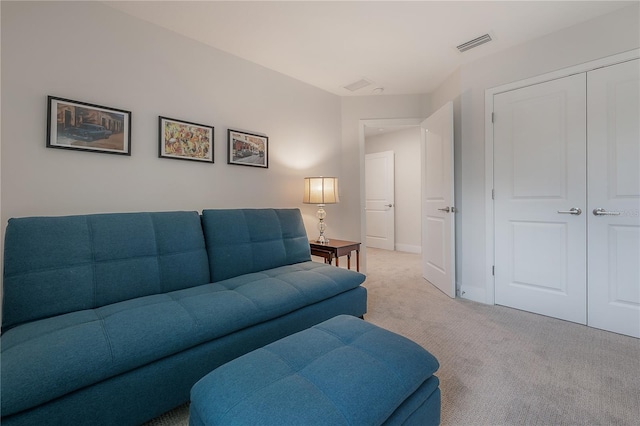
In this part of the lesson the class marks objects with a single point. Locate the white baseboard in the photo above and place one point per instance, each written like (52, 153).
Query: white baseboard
(408, 248)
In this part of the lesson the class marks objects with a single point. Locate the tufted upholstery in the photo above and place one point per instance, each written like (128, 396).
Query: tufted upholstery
(111, 318)
(56, 265)
(120, 337)
(249, 240)
(343, 371)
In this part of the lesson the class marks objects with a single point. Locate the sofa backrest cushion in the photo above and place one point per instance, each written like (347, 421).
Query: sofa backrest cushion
(56, 265)
(250, 240)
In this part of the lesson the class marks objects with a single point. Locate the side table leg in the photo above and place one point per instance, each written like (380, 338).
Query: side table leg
(358, 260)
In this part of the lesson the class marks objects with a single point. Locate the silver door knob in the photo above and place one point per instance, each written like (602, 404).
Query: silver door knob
(573, 210)
(603, 212)
(446, 210)
(389, 205)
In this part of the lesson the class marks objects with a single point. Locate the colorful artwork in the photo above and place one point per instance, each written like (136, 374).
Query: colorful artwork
(185, 141)
(247, 149)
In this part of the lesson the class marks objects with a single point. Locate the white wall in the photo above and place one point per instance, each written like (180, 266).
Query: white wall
(405, 144)
(89, 52)
(598, 38)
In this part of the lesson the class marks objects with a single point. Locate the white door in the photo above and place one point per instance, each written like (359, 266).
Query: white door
(540, 198)
(614, 187)
(438, 221)
(379, 196)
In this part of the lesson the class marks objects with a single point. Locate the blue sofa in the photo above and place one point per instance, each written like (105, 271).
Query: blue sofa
(111, 318)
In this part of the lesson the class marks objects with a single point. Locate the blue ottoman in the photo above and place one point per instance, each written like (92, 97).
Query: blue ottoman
(344, 371)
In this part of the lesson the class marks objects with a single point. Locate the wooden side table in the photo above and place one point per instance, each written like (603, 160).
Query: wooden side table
(334, 249)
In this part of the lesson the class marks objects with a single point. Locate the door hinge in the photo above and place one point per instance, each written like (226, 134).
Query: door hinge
(493, 194)
(493, 270)
(493, 117)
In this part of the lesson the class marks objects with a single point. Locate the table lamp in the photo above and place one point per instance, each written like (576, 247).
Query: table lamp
(321, 191)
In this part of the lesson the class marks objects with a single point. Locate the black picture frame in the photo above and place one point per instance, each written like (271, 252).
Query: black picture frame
(247, 149)
(185, 140)
(82, 126)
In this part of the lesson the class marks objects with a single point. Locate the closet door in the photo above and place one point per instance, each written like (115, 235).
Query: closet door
(614, 198)
(540, 198)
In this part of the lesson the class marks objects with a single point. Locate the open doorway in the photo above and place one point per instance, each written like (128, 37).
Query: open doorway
(391, 157)
(421, 167)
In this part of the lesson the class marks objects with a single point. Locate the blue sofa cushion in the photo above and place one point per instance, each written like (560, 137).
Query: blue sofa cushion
(242, 241)
(72, 351)
(343, 371)
(57, 265)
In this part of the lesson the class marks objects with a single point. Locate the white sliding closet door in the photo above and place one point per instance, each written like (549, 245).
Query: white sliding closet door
(613, 116)
(540, 199)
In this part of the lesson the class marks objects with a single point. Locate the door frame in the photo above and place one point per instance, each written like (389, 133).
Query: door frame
(385, 122)
(488, 147)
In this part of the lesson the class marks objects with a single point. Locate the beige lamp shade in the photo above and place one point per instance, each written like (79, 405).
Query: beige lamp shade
(320, 190)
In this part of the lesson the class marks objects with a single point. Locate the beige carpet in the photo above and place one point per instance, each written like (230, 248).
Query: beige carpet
(501, 366)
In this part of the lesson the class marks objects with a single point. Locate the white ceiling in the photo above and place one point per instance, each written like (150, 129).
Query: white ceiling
(404, 47)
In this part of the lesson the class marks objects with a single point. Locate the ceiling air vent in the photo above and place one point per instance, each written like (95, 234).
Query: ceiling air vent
(357, 85)
(474, 43)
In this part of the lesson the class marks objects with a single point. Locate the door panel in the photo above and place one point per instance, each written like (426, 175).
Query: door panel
(614, 185)
(435, 254)
(438, 224)
(534, 244)
(539, 152)
(624, 276)
(379, 194)
(539, 172)
(434, 149)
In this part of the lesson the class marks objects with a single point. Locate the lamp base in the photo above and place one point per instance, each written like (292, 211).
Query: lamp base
(321, 214)
(322, 240)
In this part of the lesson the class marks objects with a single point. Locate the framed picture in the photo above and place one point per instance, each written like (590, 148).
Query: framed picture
(247, 149)
(183, 140)
(87, 127)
